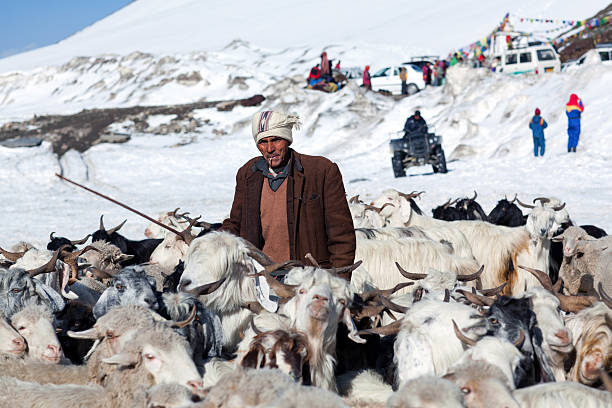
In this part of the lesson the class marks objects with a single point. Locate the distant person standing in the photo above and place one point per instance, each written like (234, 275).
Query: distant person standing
(427, 74)
(573, 109)
(537, 124)
(403, 77)
(366, 78)
(325, 68)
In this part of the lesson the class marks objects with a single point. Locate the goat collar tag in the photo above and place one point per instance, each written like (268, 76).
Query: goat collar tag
(262, 291)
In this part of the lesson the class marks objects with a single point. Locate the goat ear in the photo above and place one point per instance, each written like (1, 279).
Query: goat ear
(250, 359)
(122, 359)
(49, 296)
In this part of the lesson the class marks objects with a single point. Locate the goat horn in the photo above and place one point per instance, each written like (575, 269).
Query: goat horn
(520, 340)
(543, 200)
(522, 204)
(354, 199)
(258, 255)
(312, 260)
(117, 228)
(89, 334)
(81, 241)
(189, 319)
(282, 265)
(383, 292)
(207, 289)
(607, 299)
(281, 289)
(494, 291)
(12, 256)
(51, 236)
(368, 311)
(71, 257)
(467, 278)
(49, 266)
(606, 380)
(476, 298)
(541, 276)
(464, 339)
(173, 213)
(515, 198)
(572, 304)
(446, 204)
(557, 285)
(393, 306)
(387, 330)
(254, 307)
(446, 296)
(345, 270)
(559, 208)
(102, 223)
(255, 329)
(475, 195)
(410, 275)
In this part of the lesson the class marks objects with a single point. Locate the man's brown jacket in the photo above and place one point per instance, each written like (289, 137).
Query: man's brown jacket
(318, 216)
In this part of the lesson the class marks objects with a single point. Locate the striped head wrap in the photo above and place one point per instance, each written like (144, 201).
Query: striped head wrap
(270, 123)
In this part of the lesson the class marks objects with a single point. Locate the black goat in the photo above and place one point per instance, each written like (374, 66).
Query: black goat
(141, 250)
(56, 243)
(507, 213)
(507, 318)
(471, 209)
(447, 212)
(76, 316)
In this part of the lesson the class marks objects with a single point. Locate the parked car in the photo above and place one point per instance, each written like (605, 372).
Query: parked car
(422, 60)
(538, 59)
(352, 72)
(387, 79)
(602, 52)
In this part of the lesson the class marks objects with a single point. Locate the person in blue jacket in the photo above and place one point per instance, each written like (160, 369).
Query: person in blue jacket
(573, 109)
(537, 124)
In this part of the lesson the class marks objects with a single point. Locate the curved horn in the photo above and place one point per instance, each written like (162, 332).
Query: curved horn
(446, 296)
(475, 195)
(80, 241)
(475, 275)
(383, 207)
(410, 275)
(71, 259)
(494, 291)
(207, 289)
(189, 319)
(257, 254)
(312, 260)
(451, 203)
(514, 199)
(345, 270)
(543, 200)
(255, 329)
(572, 304)
(51, 238)
(281, 289)
(365, 296)
(464, 339)
(89, 334)
(607, 299)
(12, 256)
(476, 298)
(354, 199)
(117, 228)
(413, 194)
(559, 207)
(101, 228)
(49, 266)
(520, 340)
(522, 204)
(387, 330)
(173, 213)
(393, 306)
(446, 204)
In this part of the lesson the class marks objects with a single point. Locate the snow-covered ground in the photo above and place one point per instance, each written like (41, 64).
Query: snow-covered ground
(482, 117)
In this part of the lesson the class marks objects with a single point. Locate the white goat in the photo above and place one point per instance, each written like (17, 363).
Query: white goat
(35, 323)
(567, 394)
(427, 392)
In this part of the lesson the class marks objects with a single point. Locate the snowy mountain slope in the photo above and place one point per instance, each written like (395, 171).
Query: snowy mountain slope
(183, 26)
(482, 117)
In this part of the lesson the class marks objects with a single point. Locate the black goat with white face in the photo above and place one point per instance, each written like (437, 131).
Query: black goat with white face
(510, 319)
(507, 213)
(141, 250)
(131, 286)
(18, 288)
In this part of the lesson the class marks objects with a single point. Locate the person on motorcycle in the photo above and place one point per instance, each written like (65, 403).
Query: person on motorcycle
(415, 123)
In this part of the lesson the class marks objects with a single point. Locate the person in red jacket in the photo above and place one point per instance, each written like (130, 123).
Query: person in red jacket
(427, 74)
(366, 78)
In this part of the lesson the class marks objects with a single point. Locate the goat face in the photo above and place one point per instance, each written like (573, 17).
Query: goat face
(11, 342)
(131, 286)
(107, 258)
(35, 324)
(548, 314)
(17, 289)
(506, 213)
(169, 252)
(540, 223)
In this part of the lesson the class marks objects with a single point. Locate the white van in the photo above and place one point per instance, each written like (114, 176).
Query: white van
(537, 59)
(387, 79)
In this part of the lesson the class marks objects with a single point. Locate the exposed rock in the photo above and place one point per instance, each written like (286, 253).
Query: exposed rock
(28, 141)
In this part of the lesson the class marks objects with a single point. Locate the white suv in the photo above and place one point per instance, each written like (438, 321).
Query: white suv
(387, 79)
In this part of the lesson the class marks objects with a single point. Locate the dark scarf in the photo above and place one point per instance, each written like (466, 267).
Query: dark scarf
(275, 178)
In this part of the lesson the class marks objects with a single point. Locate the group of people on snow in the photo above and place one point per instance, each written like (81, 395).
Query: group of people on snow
(435, 74)
(537, 124)
(321, 76)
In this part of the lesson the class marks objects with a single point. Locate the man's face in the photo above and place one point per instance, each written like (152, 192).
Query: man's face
(275, 150)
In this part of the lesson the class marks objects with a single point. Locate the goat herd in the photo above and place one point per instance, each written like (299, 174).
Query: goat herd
(463, 309)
